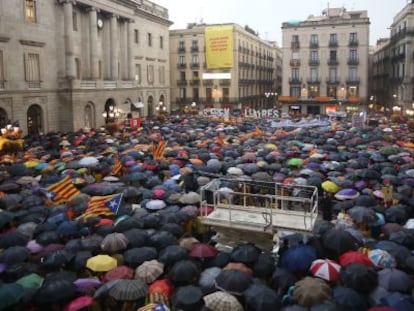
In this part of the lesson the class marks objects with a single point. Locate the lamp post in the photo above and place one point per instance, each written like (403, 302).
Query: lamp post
(161, 109)
(193, 107)
(111, 114)
(270, 95)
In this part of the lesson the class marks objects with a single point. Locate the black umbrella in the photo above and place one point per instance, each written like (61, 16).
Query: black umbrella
(404, 237)
(359, 277)
(259, 297)
(362, 214)
(78, 262)
(188, 298)
(397, 214)
(399, 252)
(246, 253)
(172, 253)
(366, 200)
(13, 239)
(128, 224)
(220, 260)
(283, 279)
(14, 255)
(135, 256)
(264, 267)
(337, 241)
(184, 272)
(173, 228)
(48, 237)
(151, 221)
(136, 237)
(5, 217)
(57, 258)
(10, 294)
(233, 282)
(321, 226)
(58, 289)
(162, 239)
(395, 280)
(349, 299)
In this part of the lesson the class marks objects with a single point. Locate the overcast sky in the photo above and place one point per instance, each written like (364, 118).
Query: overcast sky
(267, 16)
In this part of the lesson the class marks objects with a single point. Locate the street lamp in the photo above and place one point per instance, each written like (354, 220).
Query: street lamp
(161, 109)
(193, 107)
(270, 95)
(111, 114)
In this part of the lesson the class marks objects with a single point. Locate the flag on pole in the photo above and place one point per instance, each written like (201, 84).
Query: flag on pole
(158, 151)
(116, 169)
(64, 189)
(107, 205)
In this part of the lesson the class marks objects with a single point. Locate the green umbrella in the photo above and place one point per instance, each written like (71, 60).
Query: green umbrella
(295, 162)
(10, 294)
(31, 281)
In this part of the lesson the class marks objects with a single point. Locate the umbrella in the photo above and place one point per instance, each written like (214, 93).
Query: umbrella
(382, 259)
(311, 291)
(264, 266)
(362, 214)
(354, 257)
(325, 269)
(149, 271)
(233, 282)
(207, 279)
(10, 294)
(88, 161)
(238, 266)
(120, 272)
(101, 263)
(54, 290)
(128, 290)
(105, 288)
(359, 277)
(202, 250)
(349, 299)
(136, 256)
(172, 253)
(398, 301)
(295, 162)
(259, 297)
(79, 303)
(184, 272)
(163, 286)
(347, 194)
(14, 254)
(190, 198)
(222, 301)
(136, 237)
(87, 283)
(162, 239)
(114, 242)
(155, 205)
(188, 298)
(336, 242)
(399, 252)
(298, 258)
(395, 280)
(31, 281)
(330, 186)
(13, 239)
(246, 253)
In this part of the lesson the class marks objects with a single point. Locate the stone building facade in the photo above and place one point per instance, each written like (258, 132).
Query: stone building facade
(70, 64)
(256, 71)
(325, 62)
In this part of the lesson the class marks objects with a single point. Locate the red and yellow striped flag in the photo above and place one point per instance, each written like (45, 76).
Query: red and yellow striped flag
(107, 205)
(64, 189)
(117, 168)
(257, 132)
(158, 151)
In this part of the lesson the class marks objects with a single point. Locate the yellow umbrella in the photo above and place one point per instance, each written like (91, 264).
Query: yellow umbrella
(31, 163)
(270, 146)
(101, 263)
(330, 186)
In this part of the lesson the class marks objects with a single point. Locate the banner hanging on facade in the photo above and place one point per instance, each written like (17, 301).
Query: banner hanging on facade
(219, 46)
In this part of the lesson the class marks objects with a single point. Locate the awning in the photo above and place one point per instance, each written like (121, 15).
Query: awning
(287, 98)
(322, 99)
(355, 99)
(138, 105)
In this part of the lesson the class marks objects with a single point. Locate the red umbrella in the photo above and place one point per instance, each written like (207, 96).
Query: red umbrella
(325, 269)
(162, 286)
(79, 303)
(121, 272)
(202, 250)
(354, 257)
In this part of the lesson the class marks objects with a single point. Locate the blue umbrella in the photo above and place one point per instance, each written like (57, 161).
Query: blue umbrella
(349, 299)
(298, 258)
(398, 301)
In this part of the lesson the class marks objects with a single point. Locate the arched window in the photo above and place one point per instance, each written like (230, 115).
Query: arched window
(34, 120)
(89, 115)
(3, 118)
(150, 106)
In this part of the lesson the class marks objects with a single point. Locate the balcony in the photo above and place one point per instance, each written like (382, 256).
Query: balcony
(295, 45)
(181, 49)
(2, 85)
(225, 82)
(208, 82)
(195, 65)
(295, 80)
(182, 82)
(181, 66)
(314, 45)
(194, 48)
(295, 62)
(353, 61)
(88, 84)
(314, 62)
(352, 80)
(195, 81)
(314, 81)
(332, 81)
(353, 42)
(33, 85)
(333, 43)
(333, 62)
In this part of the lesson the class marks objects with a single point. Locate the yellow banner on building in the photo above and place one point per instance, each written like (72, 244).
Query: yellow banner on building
(219, 46)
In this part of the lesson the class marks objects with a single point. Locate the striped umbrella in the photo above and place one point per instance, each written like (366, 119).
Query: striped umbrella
(325, 269)
(128, 290)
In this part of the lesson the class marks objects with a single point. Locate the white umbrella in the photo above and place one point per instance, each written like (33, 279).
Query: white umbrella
(88, 161)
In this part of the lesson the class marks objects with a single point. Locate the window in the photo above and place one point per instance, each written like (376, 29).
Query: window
(314, 39)
(181, 60)
(150, 74)
(182, 75)
(136, 36)
(313, 91)
(226, 94)
(138, 73)
(333, 38)
(352, 91)
(183, 94)
(161, 72)
(332, 55)
(181, 46)
(331, 91)
(353, 37)
(161, 42)
(149, 39)
(353, 73)
(295, 74)
(32, 67)
(314, 55)
(353, 54)
(194, 59)
(313, 74)
(332, 74)
(295, 39)
(209, 94)
(295, 91)
(2, 77)
(196, 94)
(30, 11)
(78, 68)
(75, 21)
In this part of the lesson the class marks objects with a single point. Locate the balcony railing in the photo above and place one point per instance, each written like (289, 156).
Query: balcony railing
(295, 62)
(182, 82)
(195, 65)
(195, 81)
(181, 49)
(314, 62)
(314, 44)
(295, 81)
(109, 84)
(314, 81)
(333, 43)
(225, 82)
(181, 65)
(88, 84)
(208, 82)
(2, 85)
(33, 84)
(353, 61)
(194, 48)
(332, 81)
(333, 62)
(352, 80)
(353, 42)
(295, 45)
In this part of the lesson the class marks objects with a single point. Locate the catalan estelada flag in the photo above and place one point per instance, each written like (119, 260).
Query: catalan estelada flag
(107, 205)
(257, 132)
(117, 168)
(64, 190)
(158, 151)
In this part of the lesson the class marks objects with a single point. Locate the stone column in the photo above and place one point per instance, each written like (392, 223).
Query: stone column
(131, 40)
(93, 44)
(68, 36)
(114, 47)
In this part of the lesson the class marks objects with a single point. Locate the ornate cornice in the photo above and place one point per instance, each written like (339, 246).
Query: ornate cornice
(32, 43)
(4, 38)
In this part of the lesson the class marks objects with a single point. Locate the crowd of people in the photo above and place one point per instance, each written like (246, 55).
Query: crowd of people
(104, 219)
